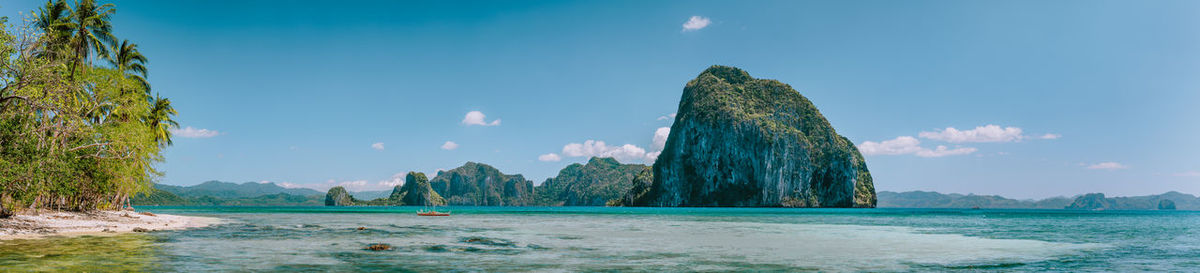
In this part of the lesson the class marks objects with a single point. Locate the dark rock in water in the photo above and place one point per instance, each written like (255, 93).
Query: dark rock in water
(601, 180)
(741, 141)
(477, 184)
(1166, 204)
(139, 229)
(488, 241)
(338, 196)
(418, 192)
(1092, 201)
(378, 247)
(362, 228)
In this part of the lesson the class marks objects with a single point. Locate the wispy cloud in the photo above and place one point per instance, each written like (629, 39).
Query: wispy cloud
(477, 118)
(1107, 166)
(1050, 136)
(909, 145)
(377, 146)
(189, 132)
(1188, 174)
(986, 133)
(449, 145)
(696, 23)
(550, 157)
(667, 117)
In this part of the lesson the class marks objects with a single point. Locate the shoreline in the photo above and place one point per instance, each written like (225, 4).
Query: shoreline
(44, 224)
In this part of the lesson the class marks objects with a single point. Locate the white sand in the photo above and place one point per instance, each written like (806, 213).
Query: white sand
(58, 223)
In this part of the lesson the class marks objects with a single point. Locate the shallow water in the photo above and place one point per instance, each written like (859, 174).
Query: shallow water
(319, 239)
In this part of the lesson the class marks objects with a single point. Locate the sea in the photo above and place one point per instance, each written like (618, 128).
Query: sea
(618, 239)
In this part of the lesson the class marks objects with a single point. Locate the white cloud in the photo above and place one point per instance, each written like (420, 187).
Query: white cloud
(941, 151)
(667, 117)
(987, 133)
(477, 118)
(623, 153)
(396, 180)
(909, 145)
(1188, 174)
(353, 185)
(652, 156)
(190, 132)
(660, 138)
(550, 157)
(1107, 166)
(377, 146)
(1050, 136)
(696, 23)
(589, 148)
(449, 145)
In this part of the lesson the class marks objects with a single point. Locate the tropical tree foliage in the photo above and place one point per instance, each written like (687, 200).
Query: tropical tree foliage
(75, 135)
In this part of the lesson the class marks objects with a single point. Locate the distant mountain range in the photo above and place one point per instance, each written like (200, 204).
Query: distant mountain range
(1094, 201)
(234, 190)
(216, 193)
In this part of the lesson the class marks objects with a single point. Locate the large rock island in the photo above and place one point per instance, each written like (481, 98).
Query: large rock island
(477, 184)
(416, 191)
(741, 141)
(601, 180)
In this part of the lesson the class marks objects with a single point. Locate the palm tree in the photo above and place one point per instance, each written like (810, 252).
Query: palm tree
(52, 20)
(132, 63)
(92, 31)
(160, 120)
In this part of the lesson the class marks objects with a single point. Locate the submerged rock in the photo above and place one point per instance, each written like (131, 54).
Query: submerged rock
(378, 247)
(741, 141)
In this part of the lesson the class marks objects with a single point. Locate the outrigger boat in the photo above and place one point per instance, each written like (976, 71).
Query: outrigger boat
(432, 213)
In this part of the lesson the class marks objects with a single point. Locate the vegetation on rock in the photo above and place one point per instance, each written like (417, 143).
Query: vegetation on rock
(477, 184)
(741, 141)
(338, 196)
(601, 180)
(418, 192)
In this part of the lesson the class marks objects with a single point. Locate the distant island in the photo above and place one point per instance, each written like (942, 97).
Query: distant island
(601, 179)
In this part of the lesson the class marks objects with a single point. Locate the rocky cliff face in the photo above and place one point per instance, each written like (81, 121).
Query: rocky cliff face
(741, 141)
(601, 180)
(476, 184)
(338, 196)
(418, 192)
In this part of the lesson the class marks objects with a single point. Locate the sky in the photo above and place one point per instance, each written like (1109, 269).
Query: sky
(1025, 99)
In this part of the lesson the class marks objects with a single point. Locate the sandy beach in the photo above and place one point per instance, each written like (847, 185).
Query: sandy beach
(59, 223)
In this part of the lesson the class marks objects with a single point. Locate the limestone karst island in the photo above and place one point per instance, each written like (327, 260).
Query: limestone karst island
(599, 136)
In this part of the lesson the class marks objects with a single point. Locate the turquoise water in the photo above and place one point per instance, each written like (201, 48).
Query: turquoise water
(320, 239)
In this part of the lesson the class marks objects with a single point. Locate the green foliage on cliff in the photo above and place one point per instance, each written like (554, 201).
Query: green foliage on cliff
(741, 141)
(639, 190)
(418, 192)
(338, 196)
(477, 184)
(602, 179)
(74, 134)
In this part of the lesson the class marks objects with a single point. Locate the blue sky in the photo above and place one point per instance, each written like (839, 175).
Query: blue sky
(1083, 96)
